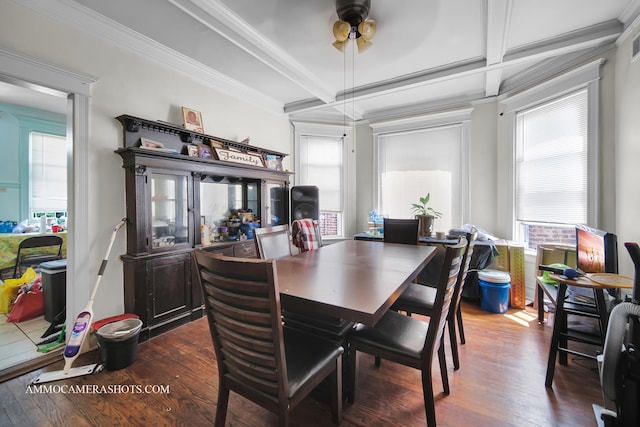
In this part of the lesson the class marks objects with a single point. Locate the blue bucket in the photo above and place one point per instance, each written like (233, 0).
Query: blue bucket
(494, 290)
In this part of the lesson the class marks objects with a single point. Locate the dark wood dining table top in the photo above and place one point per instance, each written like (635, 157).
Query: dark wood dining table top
(353, 280)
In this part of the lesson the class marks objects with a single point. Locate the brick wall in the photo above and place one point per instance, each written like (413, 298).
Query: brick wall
(550, 234)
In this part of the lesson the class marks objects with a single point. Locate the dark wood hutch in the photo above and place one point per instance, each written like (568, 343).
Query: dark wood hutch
(169, 196)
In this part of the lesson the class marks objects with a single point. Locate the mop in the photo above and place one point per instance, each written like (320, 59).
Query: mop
(80, 331)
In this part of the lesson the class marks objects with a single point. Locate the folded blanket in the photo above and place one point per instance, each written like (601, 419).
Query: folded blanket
(303, 234)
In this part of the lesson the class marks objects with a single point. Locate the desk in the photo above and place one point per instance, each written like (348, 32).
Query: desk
(560, 336)
(353, 280)
(9, 243)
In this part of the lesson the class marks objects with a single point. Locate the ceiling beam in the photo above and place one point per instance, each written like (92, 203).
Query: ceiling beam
(589, 38)
(497, 24)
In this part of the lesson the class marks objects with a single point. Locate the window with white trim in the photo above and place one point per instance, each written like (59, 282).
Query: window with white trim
(556, 177)
(412, 163)
(552, 169)
(320, 161)
(48, 177)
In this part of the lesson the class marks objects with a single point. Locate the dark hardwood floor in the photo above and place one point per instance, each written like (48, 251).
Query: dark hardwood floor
(500, 383)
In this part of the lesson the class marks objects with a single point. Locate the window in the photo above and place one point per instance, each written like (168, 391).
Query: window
(320, 161)
(48, 185)
(551, 169)
(426, 156)
(556, 180)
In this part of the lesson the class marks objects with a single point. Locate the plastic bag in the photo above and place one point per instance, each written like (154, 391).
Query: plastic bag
(9, 289)
(28, 304)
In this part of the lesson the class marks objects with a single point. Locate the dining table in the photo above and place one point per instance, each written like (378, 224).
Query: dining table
(354, 280)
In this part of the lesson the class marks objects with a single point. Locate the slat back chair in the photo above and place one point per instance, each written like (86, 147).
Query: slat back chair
(420, 298)
(410, 341)
(398, 230)
(254, 358)
(272, 242)
(36, 250)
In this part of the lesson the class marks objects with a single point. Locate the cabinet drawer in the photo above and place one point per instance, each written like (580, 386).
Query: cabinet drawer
(245, 250)
(228, 251)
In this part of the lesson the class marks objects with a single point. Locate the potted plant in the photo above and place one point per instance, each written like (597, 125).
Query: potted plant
(425, 214)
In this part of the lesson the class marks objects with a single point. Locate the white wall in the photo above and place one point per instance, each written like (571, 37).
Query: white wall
(627, 152)
(128, 84)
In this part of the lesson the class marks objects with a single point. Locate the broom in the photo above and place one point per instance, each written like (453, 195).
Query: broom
(80, 331)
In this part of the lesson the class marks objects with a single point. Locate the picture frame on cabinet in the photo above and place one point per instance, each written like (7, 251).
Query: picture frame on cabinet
(192, 150)
(215, 143)
(192, 120)
(273, 162)
(204, 151)
(149, 143)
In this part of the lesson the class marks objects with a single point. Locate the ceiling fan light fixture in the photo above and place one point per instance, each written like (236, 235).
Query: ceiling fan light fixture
(339, 45)
(352, 23)
(367, 29)
(363, 44)
(341, 30)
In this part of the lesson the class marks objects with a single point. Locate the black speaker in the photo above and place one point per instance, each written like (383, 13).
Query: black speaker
(304, 202)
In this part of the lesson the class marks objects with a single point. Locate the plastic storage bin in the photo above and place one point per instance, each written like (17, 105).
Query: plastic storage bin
(54, 287)
(118, 342)
(494, 290)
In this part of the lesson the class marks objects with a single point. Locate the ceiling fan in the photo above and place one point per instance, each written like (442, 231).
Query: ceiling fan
(353, 23)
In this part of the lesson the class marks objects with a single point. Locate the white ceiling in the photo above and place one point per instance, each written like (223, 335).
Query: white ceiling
(427, 53)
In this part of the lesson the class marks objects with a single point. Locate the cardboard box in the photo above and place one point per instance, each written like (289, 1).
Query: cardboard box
(511, 259)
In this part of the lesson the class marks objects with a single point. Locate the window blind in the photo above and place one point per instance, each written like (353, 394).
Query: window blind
(551, 161)
(48, 172)
(321, 165)
(412, 164)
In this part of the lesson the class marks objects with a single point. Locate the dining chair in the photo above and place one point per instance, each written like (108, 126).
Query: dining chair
(305, 234)
(397, 230)
(272, 242)
(420, 298)
(410, 341)
(257, 358)
(36, 250)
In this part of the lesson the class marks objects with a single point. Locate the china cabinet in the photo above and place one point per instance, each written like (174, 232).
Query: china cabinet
(172, 198)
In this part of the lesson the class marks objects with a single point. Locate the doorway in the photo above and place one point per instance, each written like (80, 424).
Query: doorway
(49, 86)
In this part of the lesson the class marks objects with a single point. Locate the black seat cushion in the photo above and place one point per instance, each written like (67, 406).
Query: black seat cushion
(419, 296)
(306, 355)
(395, 333)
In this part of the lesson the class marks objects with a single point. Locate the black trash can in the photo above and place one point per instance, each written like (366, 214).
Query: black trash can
(118, 342)
(54, 287)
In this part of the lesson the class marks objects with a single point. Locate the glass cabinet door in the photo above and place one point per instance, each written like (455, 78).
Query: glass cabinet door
(276, 204)
(169, 219)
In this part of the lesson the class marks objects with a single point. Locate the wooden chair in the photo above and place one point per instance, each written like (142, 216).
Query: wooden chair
(272, 242)
(401, 231)
(410, 341)
(255, 358)
(420, 298)
(36, 250)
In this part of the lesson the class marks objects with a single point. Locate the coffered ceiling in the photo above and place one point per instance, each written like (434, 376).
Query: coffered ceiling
(426, 54)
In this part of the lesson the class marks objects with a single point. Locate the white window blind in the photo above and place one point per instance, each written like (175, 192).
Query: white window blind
(48, 172)
(321, 164)
(322, 160)
(412, 164)
(551, 161)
